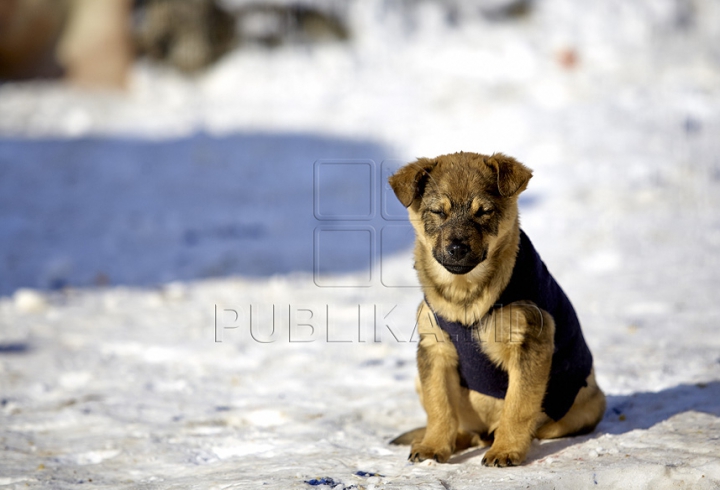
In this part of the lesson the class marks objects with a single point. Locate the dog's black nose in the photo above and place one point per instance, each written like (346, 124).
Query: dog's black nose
(457, 250)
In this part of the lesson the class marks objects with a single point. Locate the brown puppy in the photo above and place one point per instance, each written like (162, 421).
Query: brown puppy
(501, 356)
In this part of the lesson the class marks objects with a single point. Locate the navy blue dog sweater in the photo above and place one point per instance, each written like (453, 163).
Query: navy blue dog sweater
(571, 362)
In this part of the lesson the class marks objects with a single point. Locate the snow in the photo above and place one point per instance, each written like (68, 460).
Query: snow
(140, 233)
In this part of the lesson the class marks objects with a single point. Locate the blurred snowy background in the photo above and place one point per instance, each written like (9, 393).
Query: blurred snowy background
(158, 181)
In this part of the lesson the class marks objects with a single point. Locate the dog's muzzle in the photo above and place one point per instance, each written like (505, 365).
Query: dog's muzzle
(458, 258)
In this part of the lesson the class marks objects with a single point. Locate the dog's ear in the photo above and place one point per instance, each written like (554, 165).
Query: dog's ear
(512, 176)
(409, 182)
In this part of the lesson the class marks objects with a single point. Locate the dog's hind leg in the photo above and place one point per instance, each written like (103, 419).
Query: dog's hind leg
(586, 412)
(519, 337)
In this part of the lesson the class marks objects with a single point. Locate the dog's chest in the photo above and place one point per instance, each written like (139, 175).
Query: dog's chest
(572, 361)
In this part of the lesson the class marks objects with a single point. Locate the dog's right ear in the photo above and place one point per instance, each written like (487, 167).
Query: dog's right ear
(409, 182)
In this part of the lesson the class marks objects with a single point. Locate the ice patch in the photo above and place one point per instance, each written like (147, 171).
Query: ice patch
(29, 300)
(266, 418)
(244, 450)
(602, 262)
(78, 122)
(176, 386)
(9, 480)
(75, 379)
(157, 354)
(91, 457)
(650, 308)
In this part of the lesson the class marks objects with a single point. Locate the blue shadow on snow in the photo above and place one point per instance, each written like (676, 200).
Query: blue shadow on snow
(101, 210)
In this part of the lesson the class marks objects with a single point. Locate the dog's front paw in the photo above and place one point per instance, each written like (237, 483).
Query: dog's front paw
(502, 458)
(421, 452)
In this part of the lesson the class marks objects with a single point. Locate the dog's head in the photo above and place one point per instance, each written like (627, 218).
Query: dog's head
(460, 203)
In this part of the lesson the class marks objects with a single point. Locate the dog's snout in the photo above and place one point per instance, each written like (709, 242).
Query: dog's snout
(457, 250)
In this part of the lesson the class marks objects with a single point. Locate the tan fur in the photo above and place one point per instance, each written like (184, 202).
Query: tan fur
(474, 197)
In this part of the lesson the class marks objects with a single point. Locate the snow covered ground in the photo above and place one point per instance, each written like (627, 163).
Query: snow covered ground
(139, 233)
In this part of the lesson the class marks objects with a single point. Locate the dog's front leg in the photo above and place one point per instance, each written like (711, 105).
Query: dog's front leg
(520, 338)
(439, 386)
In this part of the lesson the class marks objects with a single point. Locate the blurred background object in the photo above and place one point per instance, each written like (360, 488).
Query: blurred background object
(96, 48)
(188, 35)
(93, 43)
(87, 41)
(192, 34)
(29, 31)
(275, 22)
